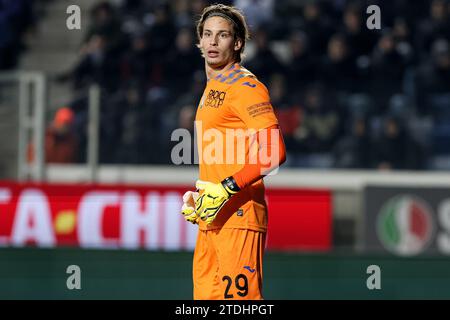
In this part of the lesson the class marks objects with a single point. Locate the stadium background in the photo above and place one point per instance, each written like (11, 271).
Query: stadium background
(88, 114)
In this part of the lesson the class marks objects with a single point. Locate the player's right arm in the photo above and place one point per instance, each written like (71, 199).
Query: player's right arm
(271, 153)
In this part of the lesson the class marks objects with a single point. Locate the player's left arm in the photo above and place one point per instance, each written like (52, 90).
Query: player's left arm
(267, 150)
(270, 154)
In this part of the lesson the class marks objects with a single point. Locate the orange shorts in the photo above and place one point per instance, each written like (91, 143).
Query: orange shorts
(228, 264)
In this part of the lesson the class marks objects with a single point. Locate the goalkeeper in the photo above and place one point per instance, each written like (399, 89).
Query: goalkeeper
(229, 204)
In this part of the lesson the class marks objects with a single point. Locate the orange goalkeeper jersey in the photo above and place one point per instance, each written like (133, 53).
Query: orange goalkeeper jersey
(233, 106)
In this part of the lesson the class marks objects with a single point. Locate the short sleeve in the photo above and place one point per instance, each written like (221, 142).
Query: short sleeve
(251, 103)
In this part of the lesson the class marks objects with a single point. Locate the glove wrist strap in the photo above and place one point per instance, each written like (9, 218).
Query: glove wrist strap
(230, 186)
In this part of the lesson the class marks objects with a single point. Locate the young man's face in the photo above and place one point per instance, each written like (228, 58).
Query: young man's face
(218, 43)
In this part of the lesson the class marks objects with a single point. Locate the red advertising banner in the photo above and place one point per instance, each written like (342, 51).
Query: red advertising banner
(299, 219)
(119, 216)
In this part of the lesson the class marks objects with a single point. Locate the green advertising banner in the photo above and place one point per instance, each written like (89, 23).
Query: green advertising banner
(60, 273)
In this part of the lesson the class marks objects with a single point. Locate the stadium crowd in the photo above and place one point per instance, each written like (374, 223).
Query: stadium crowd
(346, 96)
(15, 18)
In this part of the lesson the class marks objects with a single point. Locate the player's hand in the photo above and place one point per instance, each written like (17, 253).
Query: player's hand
(188, 208)
(213, 197)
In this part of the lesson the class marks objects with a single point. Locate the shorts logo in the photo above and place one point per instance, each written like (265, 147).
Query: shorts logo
(240, 213)
(249, 269)
(215, 98)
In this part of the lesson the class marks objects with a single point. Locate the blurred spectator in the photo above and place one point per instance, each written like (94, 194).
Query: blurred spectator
(136, 63)
(401, 33)
(354, 151)
(157, 100)
(316, 25)
(257, 12)
(61, 145)
(303, 65)
(128, 145)
(182, 14)
(388, 67)
(161, 32)
(160, 35)
(433, 81)
(435, 27)
(338, 70)
(360, 40)
(178, 71)
(15, 18)
(395, 148)
(191, 96)
(131, 7)
(264, 63)
(390, 148)
(279, 92)
(319, 124)
(288, 114)
(95, 66)
(186, 118)
(197, 6)
(106, 24)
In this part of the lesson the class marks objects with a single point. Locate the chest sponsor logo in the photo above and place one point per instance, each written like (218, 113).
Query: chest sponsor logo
(215, 99)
